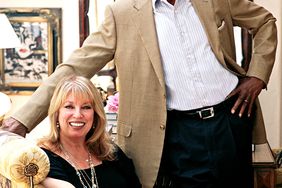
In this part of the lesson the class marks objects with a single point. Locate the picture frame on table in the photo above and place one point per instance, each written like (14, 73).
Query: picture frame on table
(39, 30)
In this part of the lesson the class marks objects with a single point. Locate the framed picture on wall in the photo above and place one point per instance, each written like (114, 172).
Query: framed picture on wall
(25, 67)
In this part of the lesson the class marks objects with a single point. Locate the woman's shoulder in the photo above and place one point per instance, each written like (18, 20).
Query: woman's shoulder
(54, 158)
(50, 153)
(59, 167)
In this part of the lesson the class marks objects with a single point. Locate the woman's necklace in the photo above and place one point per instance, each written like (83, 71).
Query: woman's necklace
(82, 175)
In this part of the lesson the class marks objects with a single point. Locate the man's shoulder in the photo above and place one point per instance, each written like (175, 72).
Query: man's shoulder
(120, 4)
(123, 3)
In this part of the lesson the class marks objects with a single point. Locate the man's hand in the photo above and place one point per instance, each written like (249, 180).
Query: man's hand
(247, 91)
(12, 125)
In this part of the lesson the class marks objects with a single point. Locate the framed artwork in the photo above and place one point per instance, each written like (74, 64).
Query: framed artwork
(39, 31)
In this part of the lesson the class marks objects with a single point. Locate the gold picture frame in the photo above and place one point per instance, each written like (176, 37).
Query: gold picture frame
(39, 30)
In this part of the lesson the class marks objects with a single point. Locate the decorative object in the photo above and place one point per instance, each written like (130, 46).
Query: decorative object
(82, 175)
(111, 109)
(8, 37)
(25, 67)
(22, 162)
(112, 103)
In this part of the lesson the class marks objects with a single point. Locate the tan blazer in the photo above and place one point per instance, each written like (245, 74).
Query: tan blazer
(128, 36)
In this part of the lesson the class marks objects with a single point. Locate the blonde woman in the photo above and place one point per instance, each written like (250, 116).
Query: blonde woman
(80, 151)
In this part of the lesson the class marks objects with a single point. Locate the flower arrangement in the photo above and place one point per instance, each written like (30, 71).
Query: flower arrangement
(112, 103)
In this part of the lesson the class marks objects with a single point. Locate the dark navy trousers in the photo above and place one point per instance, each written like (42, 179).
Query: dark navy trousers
(207, 153)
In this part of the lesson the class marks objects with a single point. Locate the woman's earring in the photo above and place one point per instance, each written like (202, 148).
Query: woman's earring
(58, 124)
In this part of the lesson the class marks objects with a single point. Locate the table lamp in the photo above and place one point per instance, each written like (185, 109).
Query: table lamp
(8, 39)
(5, 105)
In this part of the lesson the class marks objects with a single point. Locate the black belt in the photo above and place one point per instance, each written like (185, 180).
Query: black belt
(205, 112)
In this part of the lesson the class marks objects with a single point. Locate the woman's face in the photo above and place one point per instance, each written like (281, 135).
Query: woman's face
(76, 117)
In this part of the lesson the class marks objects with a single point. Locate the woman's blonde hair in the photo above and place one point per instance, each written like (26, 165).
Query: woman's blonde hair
(97, 139)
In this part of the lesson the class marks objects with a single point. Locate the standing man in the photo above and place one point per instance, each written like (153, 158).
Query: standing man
(187, 110)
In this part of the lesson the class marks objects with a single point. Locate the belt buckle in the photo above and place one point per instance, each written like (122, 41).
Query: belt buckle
(206, 113)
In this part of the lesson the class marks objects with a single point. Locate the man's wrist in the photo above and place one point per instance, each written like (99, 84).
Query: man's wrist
(12, 125)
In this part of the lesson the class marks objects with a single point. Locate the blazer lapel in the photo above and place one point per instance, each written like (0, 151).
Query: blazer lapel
(206, 15)
(144, 20)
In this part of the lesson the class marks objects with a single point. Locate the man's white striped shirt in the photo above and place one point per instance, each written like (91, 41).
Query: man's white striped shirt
(194, 77)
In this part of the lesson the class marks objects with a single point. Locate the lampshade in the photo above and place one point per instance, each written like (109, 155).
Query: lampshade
(5, 105)
(8, 37)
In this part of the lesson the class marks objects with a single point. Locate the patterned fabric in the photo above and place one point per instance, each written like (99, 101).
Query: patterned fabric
(16, 154)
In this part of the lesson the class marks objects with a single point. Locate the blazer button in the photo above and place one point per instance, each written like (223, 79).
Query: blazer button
(162, 127)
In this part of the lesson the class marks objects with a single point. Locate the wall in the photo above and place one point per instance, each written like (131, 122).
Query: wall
(271, 98)
(96, 12)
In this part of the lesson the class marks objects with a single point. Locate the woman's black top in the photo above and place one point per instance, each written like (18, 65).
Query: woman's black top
(119, 173)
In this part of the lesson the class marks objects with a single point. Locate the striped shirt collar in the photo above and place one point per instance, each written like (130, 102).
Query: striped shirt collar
(154, 2)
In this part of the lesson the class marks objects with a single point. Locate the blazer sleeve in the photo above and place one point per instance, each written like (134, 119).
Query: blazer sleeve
(261, 24)
(97, 50)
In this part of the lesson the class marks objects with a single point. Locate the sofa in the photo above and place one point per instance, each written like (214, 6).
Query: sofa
(22, 163)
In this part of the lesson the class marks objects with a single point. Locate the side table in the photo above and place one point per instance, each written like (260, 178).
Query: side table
(264, 166)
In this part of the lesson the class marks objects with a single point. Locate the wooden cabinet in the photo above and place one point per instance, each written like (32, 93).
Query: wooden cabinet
(264, 167)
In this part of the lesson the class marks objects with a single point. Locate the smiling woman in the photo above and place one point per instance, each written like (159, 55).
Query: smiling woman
(80, 150)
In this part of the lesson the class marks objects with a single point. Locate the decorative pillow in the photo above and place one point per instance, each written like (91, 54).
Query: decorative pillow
(21, 158)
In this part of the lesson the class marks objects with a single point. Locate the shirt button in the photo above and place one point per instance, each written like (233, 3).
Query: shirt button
(162, 127)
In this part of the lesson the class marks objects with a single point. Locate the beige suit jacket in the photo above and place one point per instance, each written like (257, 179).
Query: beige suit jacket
(128, 36)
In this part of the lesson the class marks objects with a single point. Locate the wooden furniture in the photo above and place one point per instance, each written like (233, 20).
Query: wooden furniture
(264, 167)
(83, 20)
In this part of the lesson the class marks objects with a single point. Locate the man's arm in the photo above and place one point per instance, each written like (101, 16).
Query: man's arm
(248, 90)
(261, 24)
(12, 125)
